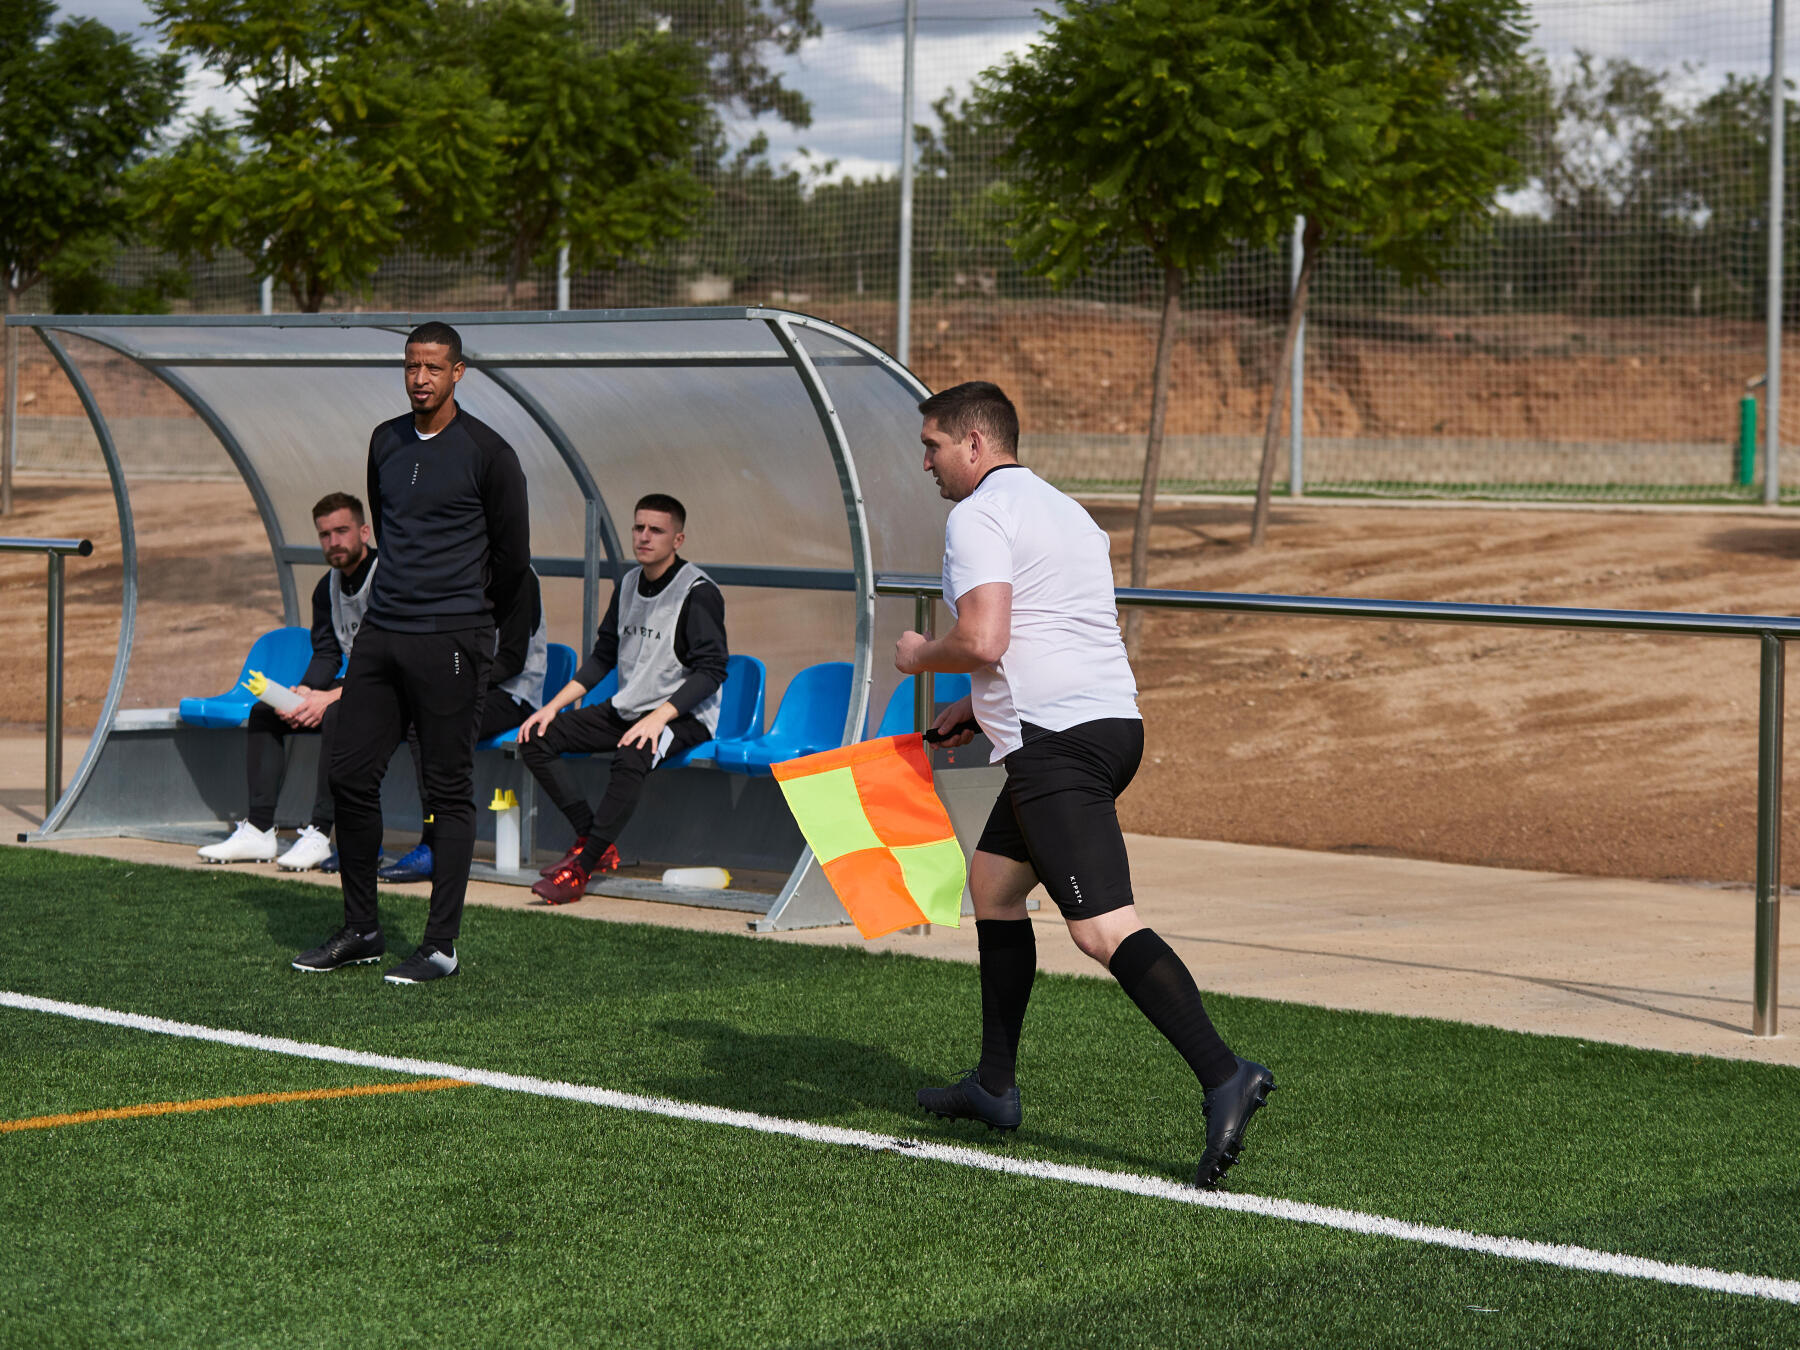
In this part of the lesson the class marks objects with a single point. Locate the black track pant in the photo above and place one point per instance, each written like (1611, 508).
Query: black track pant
(265, 763)
(584, 731)
(436, 682)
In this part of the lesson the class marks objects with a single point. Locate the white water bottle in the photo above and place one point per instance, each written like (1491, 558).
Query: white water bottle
(699, 878)
(506, 829)
(277, 696)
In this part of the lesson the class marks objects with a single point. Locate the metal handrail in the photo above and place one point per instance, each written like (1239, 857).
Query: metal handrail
(57, 550)
(1772, 633)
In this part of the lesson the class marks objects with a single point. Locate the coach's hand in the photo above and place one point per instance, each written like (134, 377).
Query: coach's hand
(962, 710)
(535, 724)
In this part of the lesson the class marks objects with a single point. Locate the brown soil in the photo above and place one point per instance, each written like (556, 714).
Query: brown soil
(1581, 752)
(1086, 368)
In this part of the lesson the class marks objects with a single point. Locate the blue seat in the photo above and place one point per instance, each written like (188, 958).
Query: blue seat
(897, 718)
(282, 654)
(810, 719)
(608, 686)
(740, 711)
(559, 669)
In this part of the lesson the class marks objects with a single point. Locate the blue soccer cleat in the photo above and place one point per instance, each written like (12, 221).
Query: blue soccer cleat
(413, 866)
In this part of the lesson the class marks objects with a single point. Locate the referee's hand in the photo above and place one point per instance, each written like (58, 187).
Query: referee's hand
(963, 710)
(906, 652)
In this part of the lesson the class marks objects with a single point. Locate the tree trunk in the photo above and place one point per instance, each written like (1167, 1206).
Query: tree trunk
(1159, 411)
(1284, 375)
(9, 411)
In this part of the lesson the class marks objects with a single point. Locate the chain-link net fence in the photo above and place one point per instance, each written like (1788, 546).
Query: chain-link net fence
(1598, 342)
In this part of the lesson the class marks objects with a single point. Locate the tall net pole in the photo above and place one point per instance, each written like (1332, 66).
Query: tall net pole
(1297, 391)
(562, 253)
(1777, 192)
(903, 311)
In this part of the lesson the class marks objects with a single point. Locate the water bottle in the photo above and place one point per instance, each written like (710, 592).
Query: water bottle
(697, 878)
(506, 829)
(277, 696)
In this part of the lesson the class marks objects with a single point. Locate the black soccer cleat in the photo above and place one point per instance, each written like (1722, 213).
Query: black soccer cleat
(423, 966)
(346, 947)
(967, 1099)
(1228, 1109)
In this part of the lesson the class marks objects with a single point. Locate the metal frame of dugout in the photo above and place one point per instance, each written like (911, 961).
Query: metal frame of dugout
(805, 428)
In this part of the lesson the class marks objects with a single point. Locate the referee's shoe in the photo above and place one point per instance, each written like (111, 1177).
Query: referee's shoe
(1228, 1109)
(967, 1099)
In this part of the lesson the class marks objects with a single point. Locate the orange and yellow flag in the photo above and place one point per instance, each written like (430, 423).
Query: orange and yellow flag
(876, 825)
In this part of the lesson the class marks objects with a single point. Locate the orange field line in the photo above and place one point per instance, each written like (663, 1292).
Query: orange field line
(219, 1103)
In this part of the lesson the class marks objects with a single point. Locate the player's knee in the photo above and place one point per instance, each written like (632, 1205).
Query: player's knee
(1093, 942)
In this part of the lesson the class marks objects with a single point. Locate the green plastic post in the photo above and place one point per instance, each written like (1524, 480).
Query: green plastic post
(1746, 458)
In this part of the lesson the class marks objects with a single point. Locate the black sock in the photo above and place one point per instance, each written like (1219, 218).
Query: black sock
(1148, 970)
(580, 817)
(592, 847)
(1008, 966)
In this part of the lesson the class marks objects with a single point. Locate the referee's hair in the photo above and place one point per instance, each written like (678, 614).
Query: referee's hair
(338, 501)
(662, 501)
(438, 334)
(977, 404)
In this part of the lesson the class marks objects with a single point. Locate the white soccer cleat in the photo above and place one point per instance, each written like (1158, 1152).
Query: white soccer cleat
(247, 844)
(309, 850)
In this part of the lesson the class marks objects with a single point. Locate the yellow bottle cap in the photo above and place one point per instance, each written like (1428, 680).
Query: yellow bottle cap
(505, 799)
(256, 683)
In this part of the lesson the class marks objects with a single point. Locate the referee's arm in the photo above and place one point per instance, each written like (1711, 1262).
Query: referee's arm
(979, 637)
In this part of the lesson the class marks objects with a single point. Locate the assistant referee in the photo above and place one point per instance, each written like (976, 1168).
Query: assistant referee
(447, 501)
(1028, 579)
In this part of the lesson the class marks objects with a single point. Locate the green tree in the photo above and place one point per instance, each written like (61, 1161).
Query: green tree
(731, 37)
(1399, 126)
(1148, 123)
(77, 109)
(364, 128)
(601, 144)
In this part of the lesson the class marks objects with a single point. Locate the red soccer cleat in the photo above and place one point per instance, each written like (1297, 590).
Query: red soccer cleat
(563, 886)
(609, 860)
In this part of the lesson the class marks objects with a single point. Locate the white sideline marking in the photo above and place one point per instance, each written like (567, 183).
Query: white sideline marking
(1156, 1188)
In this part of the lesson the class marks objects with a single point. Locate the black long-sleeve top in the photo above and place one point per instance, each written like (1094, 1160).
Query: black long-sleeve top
(700, 643)
(451, 516)
(328, 655)
(516, 630)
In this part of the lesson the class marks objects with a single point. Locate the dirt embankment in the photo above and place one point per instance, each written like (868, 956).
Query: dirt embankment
(1079, 368)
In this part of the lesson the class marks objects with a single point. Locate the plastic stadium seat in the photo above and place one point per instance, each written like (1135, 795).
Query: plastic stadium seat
(740, 711)
(810, 719)
(281, 653)
(897, 719)
(559, 669)
(600, 692)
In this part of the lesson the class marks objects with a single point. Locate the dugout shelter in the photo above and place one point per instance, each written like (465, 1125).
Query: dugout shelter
(792, 442)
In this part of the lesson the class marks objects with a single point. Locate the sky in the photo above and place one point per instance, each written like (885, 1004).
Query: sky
(853, 73)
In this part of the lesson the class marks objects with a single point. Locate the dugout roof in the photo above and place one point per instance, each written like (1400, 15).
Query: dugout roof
(792, 442)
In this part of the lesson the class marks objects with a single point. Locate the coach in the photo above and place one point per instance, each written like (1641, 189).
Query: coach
(447, 500)
(1028, 580)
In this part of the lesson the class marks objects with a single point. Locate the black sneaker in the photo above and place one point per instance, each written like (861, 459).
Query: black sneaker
(346, 947)
(1228, 1109)
(428, 963)
(967, 1099)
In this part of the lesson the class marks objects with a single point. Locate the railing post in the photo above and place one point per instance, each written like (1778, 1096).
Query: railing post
(924, 705)
(53, 686)
(1765, 1020)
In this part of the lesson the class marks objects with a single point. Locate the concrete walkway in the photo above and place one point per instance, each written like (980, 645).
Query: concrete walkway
(1638, 963)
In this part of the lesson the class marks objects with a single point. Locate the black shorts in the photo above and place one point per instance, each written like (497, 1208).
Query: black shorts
(1059, 812)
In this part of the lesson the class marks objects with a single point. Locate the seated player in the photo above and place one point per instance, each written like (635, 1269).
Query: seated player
(515, 688)
(665, 633)
(338, 602)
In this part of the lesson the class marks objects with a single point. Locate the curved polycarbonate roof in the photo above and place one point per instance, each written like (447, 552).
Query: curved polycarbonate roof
(793, 444)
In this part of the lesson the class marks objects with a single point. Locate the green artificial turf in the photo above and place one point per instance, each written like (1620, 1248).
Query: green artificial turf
(484, 1217)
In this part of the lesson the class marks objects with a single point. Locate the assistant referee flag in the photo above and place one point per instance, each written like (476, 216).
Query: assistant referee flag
(876, 825)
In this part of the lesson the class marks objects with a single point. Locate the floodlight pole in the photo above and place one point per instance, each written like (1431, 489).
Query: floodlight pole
(9, 433)
(562, 252)
(1297, 383)
(1777, 199)
(1768, 839)
(903, 311)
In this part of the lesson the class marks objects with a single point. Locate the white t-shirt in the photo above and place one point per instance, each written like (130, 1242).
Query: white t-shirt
(1066, 662)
